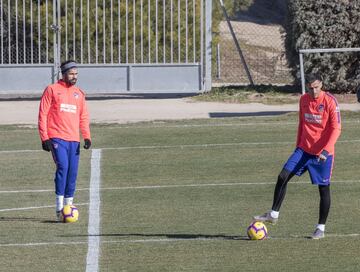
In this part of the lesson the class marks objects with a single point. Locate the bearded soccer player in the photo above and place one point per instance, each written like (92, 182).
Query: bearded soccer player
(62, 115)
(319, 128)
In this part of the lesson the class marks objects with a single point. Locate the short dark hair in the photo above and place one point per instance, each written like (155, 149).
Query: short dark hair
(310, 78)
(65, 65)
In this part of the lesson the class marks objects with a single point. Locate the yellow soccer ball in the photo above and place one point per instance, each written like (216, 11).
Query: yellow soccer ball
(257, 231)
(69, 214)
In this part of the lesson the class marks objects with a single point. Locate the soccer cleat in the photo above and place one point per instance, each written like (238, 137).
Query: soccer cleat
(266, 217)
(318, 234)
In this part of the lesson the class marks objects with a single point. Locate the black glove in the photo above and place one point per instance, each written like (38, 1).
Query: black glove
(46, 145)
(323, 155)
(87, 143)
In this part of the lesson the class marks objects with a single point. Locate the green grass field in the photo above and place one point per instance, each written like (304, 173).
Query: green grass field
(178, 196)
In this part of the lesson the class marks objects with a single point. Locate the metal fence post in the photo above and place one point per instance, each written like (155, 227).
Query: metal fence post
(302, 73)
(208, 44)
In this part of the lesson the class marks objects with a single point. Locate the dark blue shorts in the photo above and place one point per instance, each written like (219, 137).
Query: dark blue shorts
(300, 162)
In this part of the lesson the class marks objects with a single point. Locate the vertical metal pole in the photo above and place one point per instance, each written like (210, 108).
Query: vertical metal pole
(186, 32)
(104, 33)
(74, 31)
(134, 31)
(141, 32)
(31, 33)
(24, 31)
(208, 44)
(2, 32)
(9, 37)
(218, 63)
(164, 32)
(156, 32)
(302, 74)
(96, 33)
(66, 30)
(47, 30)
(16, 31)
(111, 33)
(171, 31)
(54, 27)
(88, 31)
(149, 32)
(81, 33)
(202, 64)
(179, 28)
(194, 33)
(127, 31)
(119, 32)
(39, 32)
(58, 24)
(242, 58)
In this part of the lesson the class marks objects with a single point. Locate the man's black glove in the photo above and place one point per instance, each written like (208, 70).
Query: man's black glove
(323, 155)
(46, 145)
(87, 143)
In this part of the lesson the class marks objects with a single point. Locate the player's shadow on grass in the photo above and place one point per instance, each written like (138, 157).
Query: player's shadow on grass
(18, 219)
(179, 236)
(27, 219)
(246, 114)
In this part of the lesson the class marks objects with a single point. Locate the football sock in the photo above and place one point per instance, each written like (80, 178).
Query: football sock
(68, 200)
(59, 202)
(321, 227)
(274, 214)
(280, 188)
(325, 202)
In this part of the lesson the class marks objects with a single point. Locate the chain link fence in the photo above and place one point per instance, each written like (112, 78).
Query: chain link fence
(263, 48)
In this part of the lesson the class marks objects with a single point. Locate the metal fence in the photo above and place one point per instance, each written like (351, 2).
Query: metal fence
(101, 31)
(107, 32)
(262, 46)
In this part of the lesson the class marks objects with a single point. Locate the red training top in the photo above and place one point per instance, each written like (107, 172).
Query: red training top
(63, 112)
(319, 123)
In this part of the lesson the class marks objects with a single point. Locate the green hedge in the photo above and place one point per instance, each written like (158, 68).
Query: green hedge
(326, 24)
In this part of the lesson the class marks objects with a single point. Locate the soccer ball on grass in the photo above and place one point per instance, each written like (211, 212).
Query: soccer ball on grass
(257, 231)
(69, 214)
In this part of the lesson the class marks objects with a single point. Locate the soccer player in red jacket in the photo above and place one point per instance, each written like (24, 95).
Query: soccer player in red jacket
(319, 128)
(62, 115)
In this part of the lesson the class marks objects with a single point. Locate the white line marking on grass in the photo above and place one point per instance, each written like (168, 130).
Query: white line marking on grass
(37, 207)
(92, 259)
(173, 240)
(169, 186)
(213, 185)
(181, 146)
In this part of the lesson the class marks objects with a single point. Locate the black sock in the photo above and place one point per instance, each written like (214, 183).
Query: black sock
(280, 188)
(325, 201)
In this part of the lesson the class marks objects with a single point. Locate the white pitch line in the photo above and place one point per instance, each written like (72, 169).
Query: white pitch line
(156, 125)
(174, 186)
(34, 208)
(181, 146)
(92, 259)
(173, 240)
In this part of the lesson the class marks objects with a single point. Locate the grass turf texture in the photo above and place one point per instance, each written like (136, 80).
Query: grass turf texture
(181, 228)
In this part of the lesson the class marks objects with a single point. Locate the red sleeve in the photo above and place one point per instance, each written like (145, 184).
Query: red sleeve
(335, 125)
(300, 127)
(84, 121)
(45, 105)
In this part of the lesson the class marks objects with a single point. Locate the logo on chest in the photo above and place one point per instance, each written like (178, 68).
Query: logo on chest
(321, 108)
(67, 108)
(313, 118)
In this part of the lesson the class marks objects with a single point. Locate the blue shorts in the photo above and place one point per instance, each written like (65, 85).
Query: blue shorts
(320, 172)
